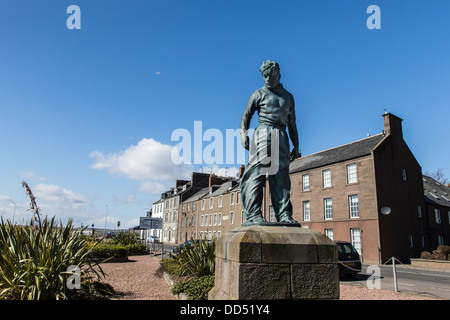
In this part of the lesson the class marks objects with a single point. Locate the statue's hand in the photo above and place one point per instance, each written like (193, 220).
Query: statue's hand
(295, 154)
(246, 143)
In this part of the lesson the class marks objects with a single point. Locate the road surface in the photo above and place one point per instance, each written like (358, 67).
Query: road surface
(418, 281)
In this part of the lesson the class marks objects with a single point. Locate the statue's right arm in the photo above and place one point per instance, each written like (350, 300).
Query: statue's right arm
(252, 106)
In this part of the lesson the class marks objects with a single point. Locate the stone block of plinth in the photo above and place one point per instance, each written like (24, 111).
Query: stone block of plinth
(275, 262)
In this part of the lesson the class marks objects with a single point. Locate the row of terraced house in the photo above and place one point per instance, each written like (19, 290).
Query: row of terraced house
(370, 192)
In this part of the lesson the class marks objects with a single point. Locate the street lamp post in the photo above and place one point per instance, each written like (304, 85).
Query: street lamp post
(14, 214)
(106, 218)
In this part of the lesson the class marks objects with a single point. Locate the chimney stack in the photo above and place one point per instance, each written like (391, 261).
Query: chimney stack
(393, 125)
(241, 171)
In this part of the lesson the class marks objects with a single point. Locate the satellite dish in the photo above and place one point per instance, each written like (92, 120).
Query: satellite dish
(385, 210)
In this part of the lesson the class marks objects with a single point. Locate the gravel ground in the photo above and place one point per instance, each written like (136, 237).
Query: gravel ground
(141, 279)
(137, 279)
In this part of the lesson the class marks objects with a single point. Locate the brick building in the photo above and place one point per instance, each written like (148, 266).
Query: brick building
(175, 198)
(211, 212)
(368, 192)
(436, 214)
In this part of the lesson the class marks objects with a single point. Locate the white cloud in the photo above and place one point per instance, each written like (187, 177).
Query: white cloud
(31, 175)
(149, 162)
(62, 197)
(153, 187)
(130, 198)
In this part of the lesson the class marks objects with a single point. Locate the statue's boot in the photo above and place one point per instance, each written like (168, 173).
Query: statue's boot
(286, 219)
(258, 218)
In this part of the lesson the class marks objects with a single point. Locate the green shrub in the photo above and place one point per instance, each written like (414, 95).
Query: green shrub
(126, 238)
(135, 249)
(173, 267)
(111, 251)
(107, 251)
(196, 288)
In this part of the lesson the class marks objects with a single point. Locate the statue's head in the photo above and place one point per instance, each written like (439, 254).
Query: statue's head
(270, 71)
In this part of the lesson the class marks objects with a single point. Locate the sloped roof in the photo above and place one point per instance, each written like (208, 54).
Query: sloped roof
(224, 188)
(338, 154)
(197, 195)
(435, 192)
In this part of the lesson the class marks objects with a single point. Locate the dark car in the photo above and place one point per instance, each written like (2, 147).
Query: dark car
(108, 235)
(349, 261)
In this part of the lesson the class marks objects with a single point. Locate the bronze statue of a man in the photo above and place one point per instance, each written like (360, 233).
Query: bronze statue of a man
(269, 152)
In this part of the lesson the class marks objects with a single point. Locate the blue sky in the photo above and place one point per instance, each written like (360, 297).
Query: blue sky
(87, 115)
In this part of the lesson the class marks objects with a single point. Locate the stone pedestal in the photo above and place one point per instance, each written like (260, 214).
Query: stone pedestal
(275, 262)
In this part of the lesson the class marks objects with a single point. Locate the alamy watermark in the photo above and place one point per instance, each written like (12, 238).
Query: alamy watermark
(74, 280)
(226, 149)
(374, 280)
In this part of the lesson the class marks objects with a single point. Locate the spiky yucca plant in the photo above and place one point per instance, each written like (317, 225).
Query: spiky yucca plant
(198, 258)
(35, 259)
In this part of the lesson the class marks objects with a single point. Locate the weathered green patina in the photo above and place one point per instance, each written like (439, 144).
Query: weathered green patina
(269, 151)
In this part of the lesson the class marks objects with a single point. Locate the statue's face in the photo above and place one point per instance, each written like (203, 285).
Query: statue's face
(272, 79)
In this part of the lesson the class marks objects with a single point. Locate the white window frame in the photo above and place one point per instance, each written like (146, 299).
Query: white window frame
(306, 210)
(329, 233)
(328, 208)
(355, 236)
(437, 215)
(440, 240)
(220, 201)
(352, 173)
(353, 206)
(211, 202)
(203, 204)
(232, 198)
(326, 178)
(305, 182)
(231, 217)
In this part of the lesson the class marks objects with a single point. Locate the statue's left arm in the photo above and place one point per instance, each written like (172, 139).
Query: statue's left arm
(293, 134)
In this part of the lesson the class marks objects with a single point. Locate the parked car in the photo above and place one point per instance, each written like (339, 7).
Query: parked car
(175, 250)
(152, 239)
(349, 261)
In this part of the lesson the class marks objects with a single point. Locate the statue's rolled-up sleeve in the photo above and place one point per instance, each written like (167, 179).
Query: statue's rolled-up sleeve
(252, 106)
